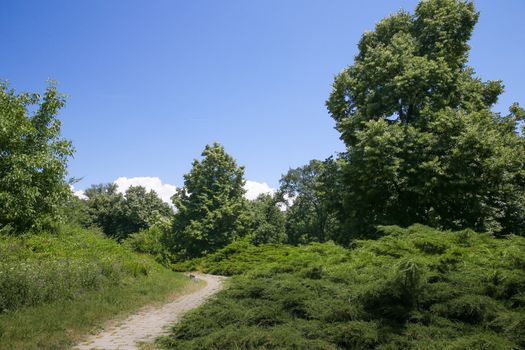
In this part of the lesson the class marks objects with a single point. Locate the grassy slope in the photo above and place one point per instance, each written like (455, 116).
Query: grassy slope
(415, 288)
(56, 287)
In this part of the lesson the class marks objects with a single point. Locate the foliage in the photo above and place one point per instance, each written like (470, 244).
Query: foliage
(211, 207)
(119, 214)
(76, 212)
(63, 323)
(33, 159)
(314, 192)
(55, 288)
(267, 220)
(105, 208)
(37, 269)
(423, 143)
(149, 241)
(414, 288)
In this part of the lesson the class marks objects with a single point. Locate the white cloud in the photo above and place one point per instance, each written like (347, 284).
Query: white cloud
(288, 202)
(78, 193)
(165, 191)
(254, 189)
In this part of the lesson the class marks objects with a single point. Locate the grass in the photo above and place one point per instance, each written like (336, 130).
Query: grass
(55, 288)
(415, 288)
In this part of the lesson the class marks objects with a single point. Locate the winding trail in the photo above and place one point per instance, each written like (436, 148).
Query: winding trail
(151, 322)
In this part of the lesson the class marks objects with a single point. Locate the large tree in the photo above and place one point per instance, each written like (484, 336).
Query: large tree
(423, 143)
(33, 159)
(210, 206)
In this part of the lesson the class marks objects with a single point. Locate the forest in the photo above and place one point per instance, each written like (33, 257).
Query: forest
(412, 238)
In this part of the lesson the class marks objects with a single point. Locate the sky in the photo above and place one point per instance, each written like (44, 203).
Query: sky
(150, 83)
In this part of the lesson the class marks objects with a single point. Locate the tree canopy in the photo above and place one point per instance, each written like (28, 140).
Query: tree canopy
(210, 206)
(119, 215)
(423, 143)
(314, 190)
(267, 220)
(33, 159)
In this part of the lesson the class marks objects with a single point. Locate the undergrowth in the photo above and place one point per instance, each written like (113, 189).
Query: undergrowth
(415, 288)
(36, 269)
(57, 287)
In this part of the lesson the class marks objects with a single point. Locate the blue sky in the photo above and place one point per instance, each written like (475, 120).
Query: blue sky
(151, 82)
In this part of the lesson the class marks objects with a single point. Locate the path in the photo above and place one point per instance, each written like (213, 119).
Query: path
(150, 323)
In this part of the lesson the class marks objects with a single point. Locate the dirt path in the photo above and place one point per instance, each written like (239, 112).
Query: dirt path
(149, 323)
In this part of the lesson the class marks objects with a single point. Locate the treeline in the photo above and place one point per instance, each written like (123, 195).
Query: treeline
(118, 214)
(423, 146)
(209, 212)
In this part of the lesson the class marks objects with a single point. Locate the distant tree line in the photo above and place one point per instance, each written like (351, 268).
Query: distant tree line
(120, 214)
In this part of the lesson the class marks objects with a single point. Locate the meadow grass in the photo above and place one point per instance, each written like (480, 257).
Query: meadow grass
(55, 288)
(415, 288)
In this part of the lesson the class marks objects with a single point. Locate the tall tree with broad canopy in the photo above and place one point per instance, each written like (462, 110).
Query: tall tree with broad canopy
(423, 143)
(211, 209)
(33, 160)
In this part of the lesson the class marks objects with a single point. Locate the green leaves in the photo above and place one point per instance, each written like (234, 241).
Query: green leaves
(423, 144)
(267, 220)
(209, 206)
(313, 189)
(414, 288)
(33, 159)
(119, 214)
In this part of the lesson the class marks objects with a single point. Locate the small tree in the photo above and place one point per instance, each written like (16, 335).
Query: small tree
(267, 220)
(144, 209)
(33, 159)
(315, 190)
(211, 206)
(106, 209)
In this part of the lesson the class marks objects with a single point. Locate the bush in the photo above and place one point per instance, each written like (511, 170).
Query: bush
(414, 288)
(148, 241)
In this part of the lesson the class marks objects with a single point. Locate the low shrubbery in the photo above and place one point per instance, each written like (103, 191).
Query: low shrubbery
(36, 269)
(414, 288)
(149, 241)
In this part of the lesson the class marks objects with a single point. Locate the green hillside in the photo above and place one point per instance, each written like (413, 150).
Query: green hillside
(55, 287)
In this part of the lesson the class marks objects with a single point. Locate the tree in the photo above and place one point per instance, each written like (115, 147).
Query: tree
(267, 220)
(144, 209)
(76, 212)
(211, 208)
(119, 215)
(314, 191)
(423, 143)
(33, 159)
(106, 209)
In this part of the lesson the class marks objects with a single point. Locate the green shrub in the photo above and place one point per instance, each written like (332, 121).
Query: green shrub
(468, 308)
(480, 341)
(148, 241)
(355, 334)
(414, 288)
